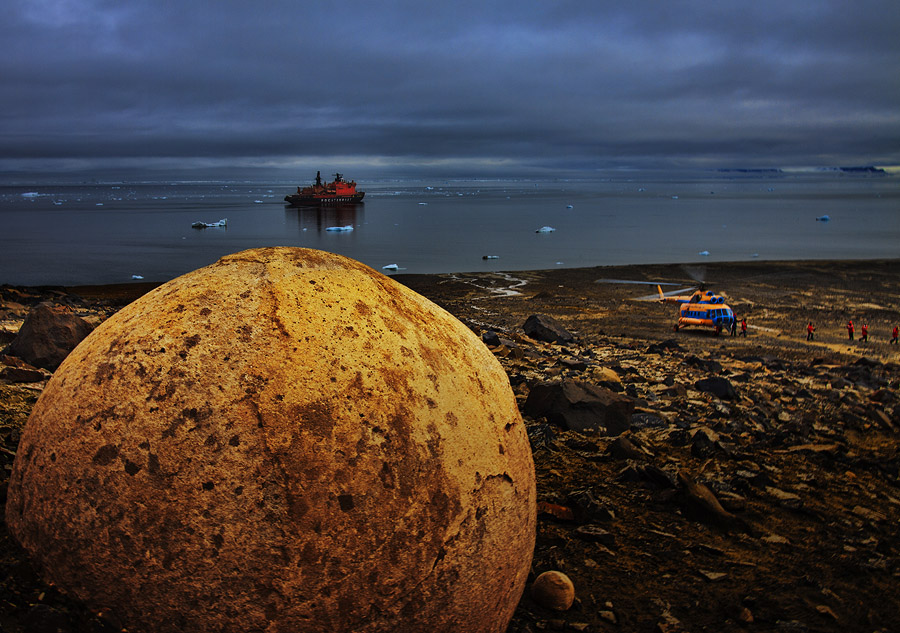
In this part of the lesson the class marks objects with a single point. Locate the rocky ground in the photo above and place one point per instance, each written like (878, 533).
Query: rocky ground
(772, 506)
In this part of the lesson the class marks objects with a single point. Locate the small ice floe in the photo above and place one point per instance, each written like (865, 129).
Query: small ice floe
(490, 257)
(349, 227)
(674, 197)
(823, 218)
(258, 202)
(641, 189)
(429, 188)
(31, 194)
(137, 276)
(210, 225)
(545, 229)
(704, 253)
(390, 267)
(99, 204)
(755, 255)
(569, 206)
(423, 204)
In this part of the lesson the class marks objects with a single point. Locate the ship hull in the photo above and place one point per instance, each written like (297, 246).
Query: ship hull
(300, 200)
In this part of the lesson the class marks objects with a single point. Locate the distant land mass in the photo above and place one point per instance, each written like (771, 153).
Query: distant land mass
(766, 171)
(868, 169)
(745, 170)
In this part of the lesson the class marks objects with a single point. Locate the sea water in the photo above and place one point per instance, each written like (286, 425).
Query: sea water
(95, 233)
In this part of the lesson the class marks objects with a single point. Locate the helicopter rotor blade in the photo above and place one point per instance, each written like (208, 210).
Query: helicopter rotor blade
(661, 296)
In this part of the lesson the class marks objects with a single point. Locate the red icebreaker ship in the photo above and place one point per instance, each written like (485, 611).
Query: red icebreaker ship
(338, 191)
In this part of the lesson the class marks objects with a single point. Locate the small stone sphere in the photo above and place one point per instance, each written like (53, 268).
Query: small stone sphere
(285, 440)
(553, 590)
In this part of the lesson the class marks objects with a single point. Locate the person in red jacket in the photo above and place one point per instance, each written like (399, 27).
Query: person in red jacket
(850, 329)
(744, 327)
(809, 331)
(864, 333)
(895, 333)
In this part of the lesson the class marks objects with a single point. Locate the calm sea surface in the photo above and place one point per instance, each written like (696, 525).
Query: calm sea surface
(108, 233)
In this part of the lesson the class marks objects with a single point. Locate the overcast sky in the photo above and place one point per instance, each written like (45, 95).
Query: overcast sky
(507, 85)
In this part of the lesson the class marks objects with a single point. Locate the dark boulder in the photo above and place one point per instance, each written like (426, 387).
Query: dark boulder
(670, 345)
(580, 406)
(712, 366)
(490, 338)
(547, 329)
(48, 335)
(647, 421)
(20, 374)
(719, 387)
(623, 448)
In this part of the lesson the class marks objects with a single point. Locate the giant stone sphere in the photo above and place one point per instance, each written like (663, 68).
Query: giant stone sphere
(285, 440)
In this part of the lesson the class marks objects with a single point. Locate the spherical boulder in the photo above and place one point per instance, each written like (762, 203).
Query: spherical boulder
(285, 440)
(553, 590)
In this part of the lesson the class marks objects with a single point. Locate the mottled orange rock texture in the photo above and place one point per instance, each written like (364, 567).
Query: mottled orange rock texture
(285, 440)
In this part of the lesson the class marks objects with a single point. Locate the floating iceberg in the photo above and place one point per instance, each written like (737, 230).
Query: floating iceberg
(545, 229)
(30, 194)
(210, 225)
(137, 276)
(390, 267)
(490, 257)
(823, 218)
(349, 227)
(569, 206)
(704, 253)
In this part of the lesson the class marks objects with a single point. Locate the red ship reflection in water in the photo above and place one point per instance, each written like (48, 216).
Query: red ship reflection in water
(338, 191)
(337, 218)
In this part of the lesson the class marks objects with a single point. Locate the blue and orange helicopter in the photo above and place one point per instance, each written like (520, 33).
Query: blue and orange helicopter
(703, 308)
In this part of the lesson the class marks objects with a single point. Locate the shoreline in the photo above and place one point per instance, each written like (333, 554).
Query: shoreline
(778, 298)
(135, 289)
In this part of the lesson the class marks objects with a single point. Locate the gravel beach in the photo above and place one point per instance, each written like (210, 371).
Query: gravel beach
(754, 486)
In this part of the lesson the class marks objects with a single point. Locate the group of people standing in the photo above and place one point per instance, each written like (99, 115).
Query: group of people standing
(734, 326)
(863, 332)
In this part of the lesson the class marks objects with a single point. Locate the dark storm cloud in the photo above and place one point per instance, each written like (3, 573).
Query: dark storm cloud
(586, 84)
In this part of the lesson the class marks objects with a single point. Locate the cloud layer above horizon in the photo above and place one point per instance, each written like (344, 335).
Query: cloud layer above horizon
(536, 85)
